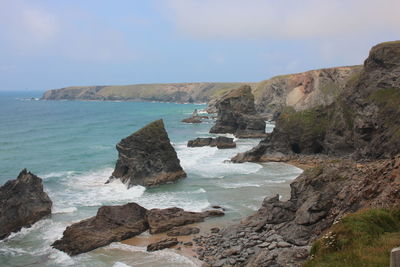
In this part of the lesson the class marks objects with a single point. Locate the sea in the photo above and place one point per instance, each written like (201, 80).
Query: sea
(71, 146)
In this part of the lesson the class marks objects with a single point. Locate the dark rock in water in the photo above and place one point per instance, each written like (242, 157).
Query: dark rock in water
(199, 142)
(162, 220)
(147, 158)
(165, 243)
(111, 224)
(184, 230)
(237, 114)
(214, 230)
(192, 120)
(220, 142)
(224, 142)
(22, 203)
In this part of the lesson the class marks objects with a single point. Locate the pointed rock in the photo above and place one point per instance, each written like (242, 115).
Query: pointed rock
(22, 203)
(147, 158)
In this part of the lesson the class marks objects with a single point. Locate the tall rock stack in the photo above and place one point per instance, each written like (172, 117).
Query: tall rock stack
(237, 114)
(22, 203)
(147, 158)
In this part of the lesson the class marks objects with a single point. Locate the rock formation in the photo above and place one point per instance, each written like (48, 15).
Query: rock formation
(161, 220)
(22, 203)
(280, 232)
(147, 158)
(184, 230)
(220, 142)
(162, 244)
(111, 224)
(117, 223)
(237, 114)
(364, 122)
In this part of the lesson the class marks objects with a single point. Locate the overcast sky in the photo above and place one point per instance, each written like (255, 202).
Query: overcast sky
(47, 44)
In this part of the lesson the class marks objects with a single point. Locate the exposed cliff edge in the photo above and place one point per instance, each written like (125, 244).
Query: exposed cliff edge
(280, 232)
(168, 92)
(22, 203)
(237, 114)
(364, 122)
(147, 158)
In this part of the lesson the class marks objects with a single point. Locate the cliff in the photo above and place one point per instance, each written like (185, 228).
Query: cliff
(172, 92)
(364, 122)
(302, 90)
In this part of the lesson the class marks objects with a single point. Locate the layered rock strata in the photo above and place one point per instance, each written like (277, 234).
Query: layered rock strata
(147, 158)
(22, 203)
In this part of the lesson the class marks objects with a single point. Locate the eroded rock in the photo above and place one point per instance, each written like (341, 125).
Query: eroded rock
(22, 203)
(147, 158)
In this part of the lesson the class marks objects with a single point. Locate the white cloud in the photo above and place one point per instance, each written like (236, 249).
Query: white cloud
(285, 19)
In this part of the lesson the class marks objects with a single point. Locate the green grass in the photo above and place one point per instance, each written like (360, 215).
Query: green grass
(361, 239)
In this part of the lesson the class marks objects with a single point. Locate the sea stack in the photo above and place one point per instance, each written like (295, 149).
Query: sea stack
(237, 115)
(22, 203)
(147, 158)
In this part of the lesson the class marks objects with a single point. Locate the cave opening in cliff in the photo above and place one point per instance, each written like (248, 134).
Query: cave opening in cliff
(295, 148)
(317, 148)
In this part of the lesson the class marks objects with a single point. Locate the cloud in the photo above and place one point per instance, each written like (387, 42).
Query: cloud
(285, 19)
(27, 29)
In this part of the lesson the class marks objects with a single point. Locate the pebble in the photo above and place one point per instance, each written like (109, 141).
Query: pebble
(283, 244)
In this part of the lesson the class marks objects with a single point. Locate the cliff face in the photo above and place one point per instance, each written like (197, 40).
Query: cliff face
(174, 92)
(302, 90)
(363, 122)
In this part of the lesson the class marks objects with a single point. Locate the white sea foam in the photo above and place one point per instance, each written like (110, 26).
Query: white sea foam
(64, 210)
(120, 264)
(56, 174)
(238, 185)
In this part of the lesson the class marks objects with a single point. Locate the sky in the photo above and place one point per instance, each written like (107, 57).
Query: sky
(47, 44)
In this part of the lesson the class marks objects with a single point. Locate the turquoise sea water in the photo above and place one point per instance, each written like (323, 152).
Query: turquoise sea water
(71, 145)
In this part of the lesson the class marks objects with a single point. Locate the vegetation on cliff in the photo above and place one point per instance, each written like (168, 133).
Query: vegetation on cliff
(364, 238)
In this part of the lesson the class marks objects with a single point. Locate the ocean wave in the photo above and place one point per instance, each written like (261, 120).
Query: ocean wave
(238, 185)
(64, 210)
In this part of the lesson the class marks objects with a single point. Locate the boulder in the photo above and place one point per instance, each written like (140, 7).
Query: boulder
(184, 230)
(224, 142)
(220, 142)
(200, 141)
(147, 158)
(162, 220)
(22, 203)
(111, 224)
(237, 114)
(192, 120)
(165, 243)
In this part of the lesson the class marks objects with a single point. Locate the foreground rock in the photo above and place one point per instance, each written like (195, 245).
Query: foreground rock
(162, 220)
(220, 142)
(280, 232)
(147, 158)
(184, 230)
(22, 203)
(237, 114)
(111, 224)
(165, 243)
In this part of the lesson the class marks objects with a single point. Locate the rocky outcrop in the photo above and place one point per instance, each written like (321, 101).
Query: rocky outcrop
(162, 244)
(280, 232)
(172, 92)
(147, 158)
(220, 142)
(192, 120)
(162, 220)
(22, 203)
(237, 114)
(111, 224)
(184, 230)
(363, 123)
